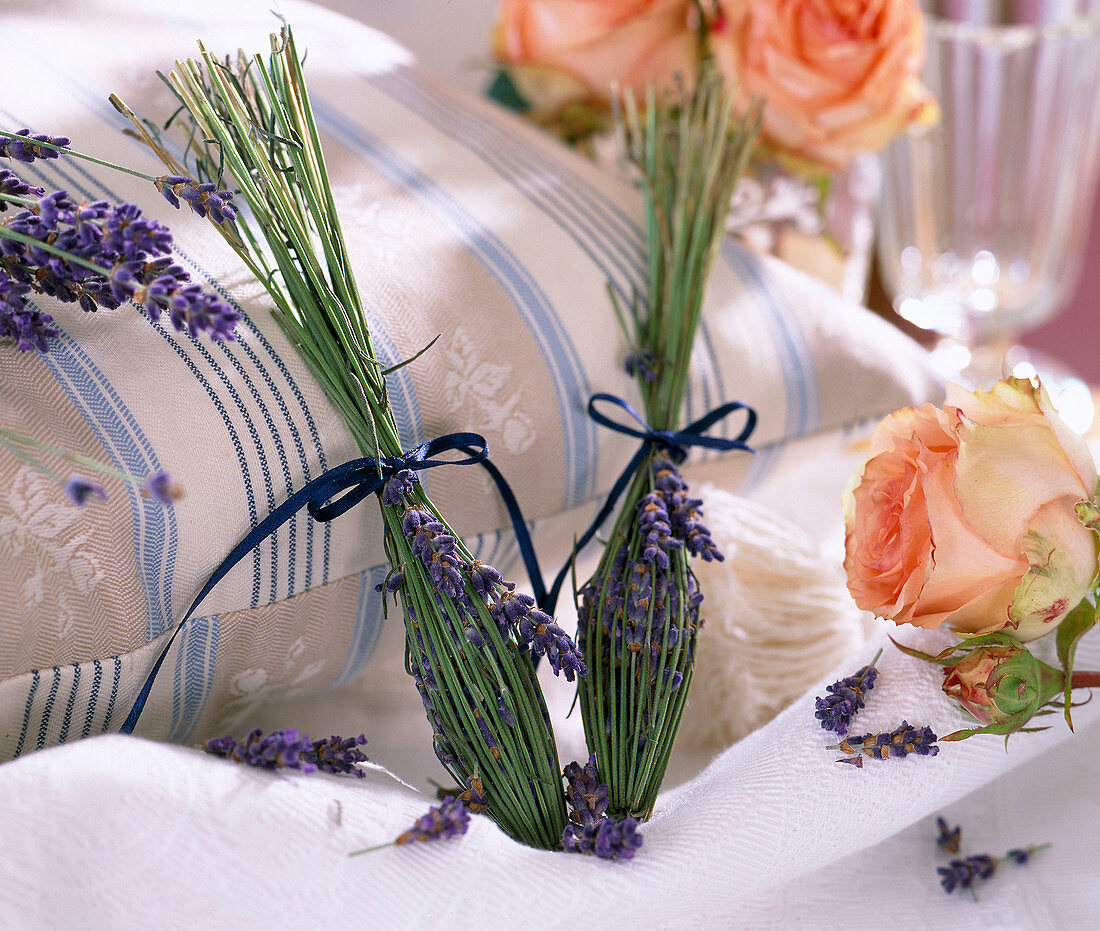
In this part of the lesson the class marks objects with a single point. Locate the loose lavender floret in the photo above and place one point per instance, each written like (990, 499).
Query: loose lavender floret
(846, 698)
(899, 743)
(450, 819)
(80, 490)
(964, 872)
(134, 253)
(160, 487)
(204, 199)
(949, 838)
(23, 147)
(337, 755)
(278, 750)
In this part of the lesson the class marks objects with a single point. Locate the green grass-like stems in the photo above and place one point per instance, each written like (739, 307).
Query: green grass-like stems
(689, 153)
(251, 119)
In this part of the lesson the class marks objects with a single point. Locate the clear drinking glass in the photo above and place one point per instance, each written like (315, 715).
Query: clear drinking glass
(984, 217)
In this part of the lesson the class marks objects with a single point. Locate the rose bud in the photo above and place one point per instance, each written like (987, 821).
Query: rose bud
(969, 515)
(1002, 684)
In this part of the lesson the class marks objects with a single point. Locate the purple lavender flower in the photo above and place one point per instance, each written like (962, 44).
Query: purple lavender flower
(685, 513)
(963, 873)
(278, 750)
(399, 487)
(14, 186)
(80, 490)
(450, 819)
(24, 147)
(898, 743)
(337, 755)
(30, 328)
(608, 839)
(641, 365)
(160, 487)
(846, 698)
(536, 630)
(133, 252)
(204, 199)
(585, 794)
(474, 797)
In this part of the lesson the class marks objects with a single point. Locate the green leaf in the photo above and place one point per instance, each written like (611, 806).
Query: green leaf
(502, 89)
(1076, 624)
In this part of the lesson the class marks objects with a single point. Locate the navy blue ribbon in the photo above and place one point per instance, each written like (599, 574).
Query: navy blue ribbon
(353, 481)
(674, 442)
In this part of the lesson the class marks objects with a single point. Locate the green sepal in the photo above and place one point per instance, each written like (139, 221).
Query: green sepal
(949, 657)
(1075, 625)
(502, 89)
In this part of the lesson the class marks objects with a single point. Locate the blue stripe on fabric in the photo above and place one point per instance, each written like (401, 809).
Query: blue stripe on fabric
(66, 722)
(196, 661)
(796, 362)
(119, 434)
(47, 712)
(114, 693)
(369, 618)
(620, 226)
(35, 678)
(614, 247)
(103, 190)
(555, 345)
(93, 698)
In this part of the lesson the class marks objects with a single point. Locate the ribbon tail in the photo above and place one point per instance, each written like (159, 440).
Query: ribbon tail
(519, 526)
(613, 497)
(283, 513)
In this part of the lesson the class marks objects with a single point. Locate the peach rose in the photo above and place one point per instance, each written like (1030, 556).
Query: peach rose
(561, 52)
(838, 77)
(966, 515)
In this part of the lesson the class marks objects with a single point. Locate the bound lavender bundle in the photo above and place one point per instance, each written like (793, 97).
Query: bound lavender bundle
(639, 613)
(470, 636)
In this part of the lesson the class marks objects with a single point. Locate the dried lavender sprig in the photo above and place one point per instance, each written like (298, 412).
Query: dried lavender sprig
(965, 872)
(98, 255)
(639, 613)
(450, 819)
(900, 743)
(23, 146)
(337, 755)
(847, 696)
(283, 749)
(475, 679)
(203, 198)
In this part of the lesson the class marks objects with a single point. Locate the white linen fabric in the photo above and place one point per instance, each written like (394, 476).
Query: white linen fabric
(122, 832)
(462, 221)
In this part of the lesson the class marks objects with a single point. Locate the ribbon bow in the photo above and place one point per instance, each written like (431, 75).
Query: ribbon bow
(675, 442)
(357, 479)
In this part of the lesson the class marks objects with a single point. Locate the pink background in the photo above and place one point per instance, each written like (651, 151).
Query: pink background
(1074, 335)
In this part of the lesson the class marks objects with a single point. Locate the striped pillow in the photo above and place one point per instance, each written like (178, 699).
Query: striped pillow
(462, 221)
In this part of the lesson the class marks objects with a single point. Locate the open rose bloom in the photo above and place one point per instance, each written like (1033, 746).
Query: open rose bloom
(561, 52)
(966, 515)
(838, 77)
